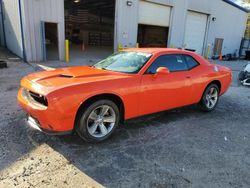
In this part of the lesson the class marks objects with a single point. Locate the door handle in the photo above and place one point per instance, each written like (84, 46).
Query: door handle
(188, 76)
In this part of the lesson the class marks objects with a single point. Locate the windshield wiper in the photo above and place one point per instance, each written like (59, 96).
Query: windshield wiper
(101, 68)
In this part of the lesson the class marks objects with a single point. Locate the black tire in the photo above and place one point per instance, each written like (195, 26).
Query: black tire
(83, 116)
(203, 102)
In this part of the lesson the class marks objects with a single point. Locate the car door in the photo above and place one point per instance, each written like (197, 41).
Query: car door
(165, 91)
(196, 75)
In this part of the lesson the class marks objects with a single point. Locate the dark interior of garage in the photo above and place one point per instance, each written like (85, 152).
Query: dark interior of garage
(152, 36)
(51, 41)
(89, 24)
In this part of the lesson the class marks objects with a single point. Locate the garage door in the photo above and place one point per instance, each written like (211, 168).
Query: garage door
(195, 31)
(153, 14)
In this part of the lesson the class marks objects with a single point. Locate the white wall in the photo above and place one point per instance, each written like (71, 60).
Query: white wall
(230, 22)
(179, 17)
(1, 27)
(42, 10)
(12, 27)
(230, 25)
(126, 19)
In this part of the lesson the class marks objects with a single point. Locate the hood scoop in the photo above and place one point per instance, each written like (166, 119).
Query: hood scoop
(65, 76)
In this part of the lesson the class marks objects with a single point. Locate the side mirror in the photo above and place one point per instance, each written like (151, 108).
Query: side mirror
(162, 71)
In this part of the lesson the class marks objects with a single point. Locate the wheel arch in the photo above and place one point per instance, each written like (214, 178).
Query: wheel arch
(216, 82)
(110, 96)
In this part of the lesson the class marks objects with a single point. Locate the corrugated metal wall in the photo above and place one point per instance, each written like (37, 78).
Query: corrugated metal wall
(1, 26)
(12, 27)
(126, 23)
(225, 14)
(126, 18)
(34, 12)
(229, 25)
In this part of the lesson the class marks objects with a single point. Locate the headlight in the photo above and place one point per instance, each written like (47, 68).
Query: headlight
(39, 98)
(35, 97)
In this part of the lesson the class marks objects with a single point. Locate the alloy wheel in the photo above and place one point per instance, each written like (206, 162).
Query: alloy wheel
(211, 97)
(101, 121)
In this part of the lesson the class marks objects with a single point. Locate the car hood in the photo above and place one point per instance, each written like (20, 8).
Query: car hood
(48, 81)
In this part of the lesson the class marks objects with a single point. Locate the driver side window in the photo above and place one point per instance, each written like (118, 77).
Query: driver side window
(172, 62)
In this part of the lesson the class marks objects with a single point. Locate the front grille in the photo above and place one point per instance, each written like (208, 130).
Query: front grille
(38, 98)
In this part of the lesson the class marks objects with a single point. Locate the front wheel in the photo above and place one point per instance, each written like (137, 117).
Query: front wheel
(98, 121)
(210, 98)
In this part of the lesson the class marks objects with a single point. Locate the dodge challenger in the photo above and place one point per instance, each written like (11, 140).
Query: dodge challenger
(93, 100)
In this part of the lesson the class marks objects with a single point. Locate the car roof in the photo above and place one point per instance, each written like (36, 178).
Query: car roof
(154, 50)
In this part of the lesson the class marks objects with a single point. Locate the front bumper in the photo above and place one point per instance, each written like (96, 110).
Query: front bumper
(34, 123)
(48, 120)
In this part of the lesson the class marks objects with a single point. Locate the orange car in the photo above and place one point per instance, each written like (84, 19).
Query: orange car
(92, 100)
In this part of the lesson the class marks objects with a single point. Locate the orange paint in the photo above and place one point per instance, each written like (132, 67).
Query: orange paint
(140, 93)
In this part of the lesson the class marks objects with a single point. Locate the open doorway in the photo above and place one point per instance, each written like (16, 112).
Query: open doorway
(51, 36)
(89, 26)
(152, 36)
(154, 22)
(50, 41)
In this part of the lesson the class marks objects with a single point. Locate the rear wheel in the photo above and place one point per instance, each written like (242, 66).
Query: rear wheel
(210, 98)
(98, 121)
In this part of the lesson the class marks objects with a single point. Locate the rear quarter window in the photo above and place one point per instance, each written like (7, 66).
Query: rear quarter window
(191, 62)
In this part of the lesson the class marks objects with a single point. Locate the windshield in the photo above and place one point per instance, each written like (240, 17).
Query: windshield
(127, 62)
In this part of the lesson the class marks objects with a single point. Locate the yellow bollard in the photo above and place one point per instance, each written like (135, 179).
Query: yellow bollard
(172, 45)
(67, 51)
(208, 51)
(119, 47)
(137, 45)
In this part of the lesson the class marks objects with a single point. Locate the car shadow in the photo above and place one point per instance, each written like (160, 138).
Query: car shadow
(131, 152)
(153, 150)
(157, 145)
(132, 127)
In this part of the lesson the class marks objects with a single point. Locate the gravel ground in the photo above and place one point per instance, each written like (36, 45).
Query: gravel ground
(177, 148)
